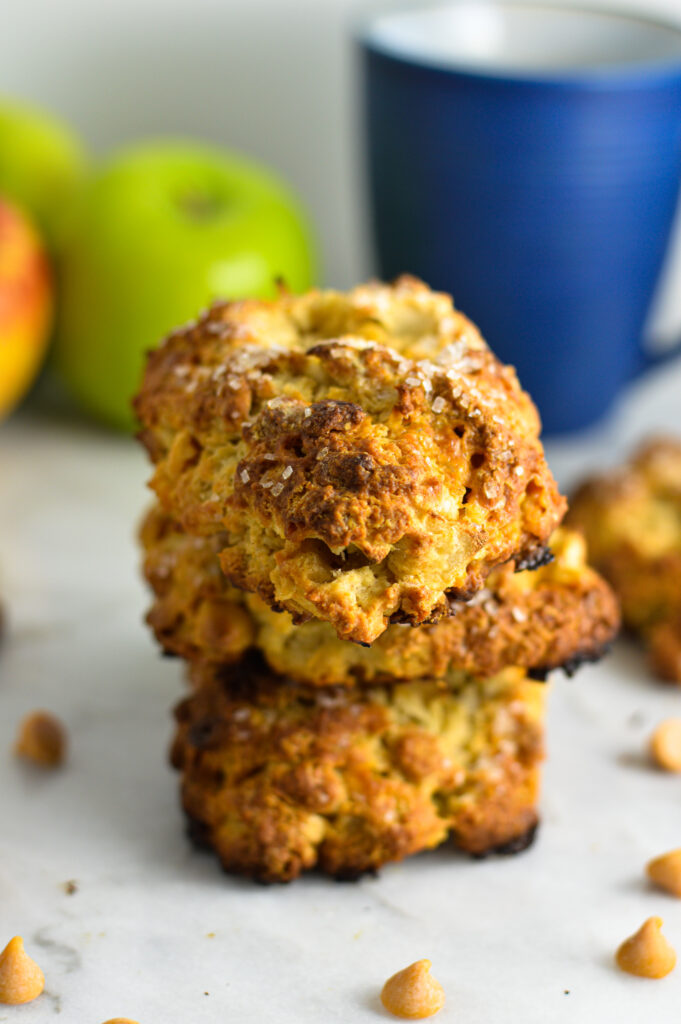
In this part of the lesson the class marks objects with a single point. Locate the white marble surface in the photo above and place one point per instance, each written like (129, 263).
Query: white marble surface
(157, 933)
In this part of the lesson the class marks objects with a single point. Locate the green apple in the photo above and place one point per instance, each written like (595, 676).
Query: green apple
(165, 228)
(42, 166)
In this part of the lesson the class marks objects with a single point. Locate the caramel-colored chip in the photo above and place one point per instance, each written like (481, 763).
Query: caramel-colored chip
(413, 992)
(665, 871)
(42, 739)
(21, 980)
(120, 1020)
(647, 953)
(665, 745)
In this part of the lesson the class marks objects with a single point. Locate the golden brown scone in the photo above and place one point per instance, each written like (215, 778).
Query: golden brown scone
(280, 779)
(365, 456)
(631, 518)
(558, 615)
(196, 612)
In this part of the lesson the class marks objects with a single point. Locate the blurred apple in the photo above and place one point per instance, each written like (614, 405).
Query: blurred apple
(164, 229)
(25, 305)
(42, 166)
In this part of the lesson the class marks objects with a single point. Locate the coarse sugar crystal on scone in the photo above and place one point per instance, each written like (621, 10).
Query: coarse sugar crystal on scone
(364, 455)
(558, 615)
(631, 518)
(280, 779)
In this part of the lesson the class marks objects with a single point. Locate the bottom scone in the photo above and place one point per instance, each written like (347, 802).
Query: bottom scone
(279, 779)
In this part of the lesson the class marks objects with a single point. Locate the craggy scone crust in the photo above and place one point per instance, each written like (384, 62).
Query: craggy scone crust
(631, 518)
(280, 779)
(197, 614)
(366, 457)
(559, 614)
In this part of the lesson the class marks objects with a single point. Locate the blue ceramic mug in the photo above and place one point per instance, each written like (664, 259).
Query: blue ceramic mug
(526, 157)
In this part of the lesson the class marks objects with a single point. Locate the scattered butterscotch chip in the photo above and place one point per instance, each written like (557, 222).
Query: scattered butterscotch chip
(665, 745)
(120, 1020)
(41, 739)
(665, 871)
(647, 953)
(413, 992)
(21, 980)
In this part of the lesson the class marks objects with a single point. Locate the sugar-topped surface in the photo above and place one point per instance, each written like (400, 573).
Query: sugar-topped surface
(365, 451)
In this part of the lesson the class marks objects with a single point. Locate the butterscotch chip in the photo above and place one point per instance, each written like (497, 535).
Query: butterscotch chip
(120, 1020)
(21, 980)
(665, 871)
(665, 745)
(647, 953)
(42, 739)
(413, 992)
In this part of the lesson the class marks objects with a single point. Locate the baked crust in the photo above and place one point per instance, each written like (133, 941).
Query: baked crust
(631, 518)
(197, 614)
(560, 613)
(364, 456)
(280, 779)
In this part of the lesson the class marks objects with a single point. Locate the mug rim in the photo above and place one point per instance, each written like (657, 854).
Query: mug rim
(621, 73)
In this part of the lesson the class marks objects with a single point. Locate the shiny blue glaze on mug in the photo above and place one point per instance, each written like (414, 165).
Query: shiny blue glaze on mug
(542, 201)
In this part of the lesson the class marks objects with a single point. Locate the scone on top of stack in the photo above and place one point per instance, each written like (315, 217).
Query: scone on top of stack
(631, 518)
(365, 456)
(359, 467)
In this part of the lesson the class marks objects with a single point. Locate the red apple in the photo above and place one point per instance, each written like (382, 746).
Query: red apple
(26, 305)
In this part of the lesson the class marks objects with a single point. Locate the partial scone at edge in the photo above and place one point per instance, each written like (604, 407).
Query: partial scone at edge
(366, 456)
(557, 615)
(282, 779)
(631, 518)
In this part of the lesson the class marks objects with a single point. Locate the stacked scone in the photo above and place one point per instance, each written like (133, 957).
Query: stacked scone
(355, 548)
